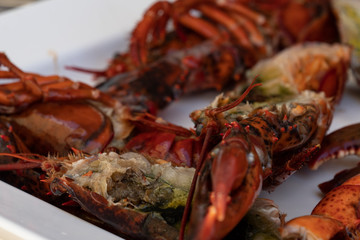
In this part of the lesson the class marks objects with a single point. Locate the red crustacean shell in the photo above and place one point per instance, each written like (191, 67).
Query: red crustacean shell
(128, 222)
(336, 216)
(56, 127)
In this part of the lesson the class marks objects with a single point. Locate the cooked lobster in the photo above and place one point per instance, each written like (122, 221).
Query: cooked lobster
(336, 215)
(210, 44)
(224, 130)
(230, 130)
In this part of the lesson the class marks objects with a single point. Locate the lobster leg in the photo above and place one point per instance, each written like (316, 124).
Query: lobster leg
(32, 88)
(219, 16)
(9, 141)
(154, 19)
(199, 25)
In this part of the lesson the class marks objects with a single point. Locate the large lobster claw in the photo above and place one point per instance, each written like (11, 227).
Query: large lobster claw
(229, 182)
(340, 143)
(336, 216)
(313, 227)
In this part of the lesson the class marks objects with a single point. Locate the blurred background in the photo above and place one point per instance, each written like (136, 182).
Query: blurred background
(8, 4)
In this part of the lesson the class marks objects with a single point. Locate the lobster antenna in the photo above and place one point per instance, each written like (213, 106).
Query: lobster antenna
(211, 113)
(215, 111)
(28, 164)
(99, 73)
(23, 156)
(148, 119)
(19, 166)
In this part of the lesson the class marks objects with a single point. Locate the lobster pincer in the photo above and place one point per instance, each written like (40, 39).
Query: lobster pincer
(336, 216)
(232, 173)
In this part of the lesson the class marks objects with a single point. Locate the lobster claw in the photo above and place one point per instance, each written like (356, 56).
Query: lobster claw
(9, 141)
(336, 216)
(229, 182)
(347, 198)
(340, 143)
(308, 227)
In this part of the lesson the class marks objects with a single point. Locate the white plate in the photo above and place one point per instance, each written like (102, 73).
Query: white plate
(46, 36)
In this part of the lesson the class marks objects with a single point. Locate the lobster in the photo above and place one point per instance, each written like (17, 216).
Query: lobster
(64, 187)
(336, 215)
(244, 23)
(262, 139)
(244, 147)
(42, 114)
(57, 102)
(201, 67)
(208, 49)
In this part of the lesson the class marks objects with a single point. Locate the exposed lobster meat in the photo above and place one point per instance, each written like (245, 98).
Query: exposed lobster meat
(138, 196)
(54, 114)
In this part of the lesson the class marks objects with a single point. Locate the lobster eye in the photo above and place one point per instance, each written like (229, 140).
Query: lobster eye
(199, 128)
